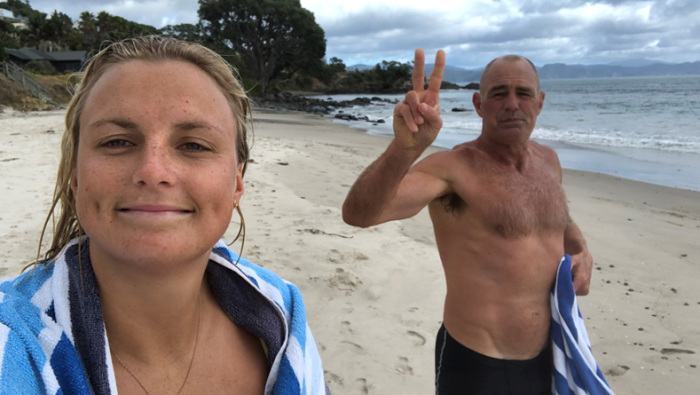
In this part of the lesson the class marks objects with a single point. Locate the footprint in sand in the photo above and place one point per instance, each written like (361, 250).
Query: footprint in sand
(344, 280)
(361, 257)
(418, 339)
(345, 328)
(361, 385)
(334, 256)
(354, 347)
(333, 378)
(674, 351)
(403, 367)
(618, 370)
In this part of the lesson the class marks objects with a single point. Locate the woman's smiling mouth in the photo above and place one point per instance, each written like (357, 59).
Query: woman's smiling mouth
(154, 210)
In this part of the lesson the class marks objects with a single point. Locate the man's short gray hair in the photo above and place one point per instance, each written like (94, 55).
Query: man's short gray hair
(511, 59)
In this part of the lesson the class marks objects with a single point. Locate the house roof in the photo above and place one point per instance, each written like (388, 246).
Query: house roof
(27, 54)
(34, 54)
(68, 55)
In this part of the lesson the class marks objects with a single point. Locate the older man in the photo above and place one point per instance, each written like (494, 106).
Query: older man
(501, 225)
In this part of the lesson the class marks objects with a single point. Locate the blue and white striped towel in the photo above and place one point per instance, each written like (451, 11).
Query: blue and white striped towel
(53, 341)
(575, 370)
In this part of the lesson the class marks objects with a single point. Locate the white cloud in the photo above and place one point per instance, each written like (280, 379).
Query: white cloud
(473, 32)
(156, 13)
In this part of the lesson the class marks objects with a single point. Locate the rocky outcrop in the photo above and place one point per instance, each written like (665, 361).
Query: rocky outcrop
(289, 101)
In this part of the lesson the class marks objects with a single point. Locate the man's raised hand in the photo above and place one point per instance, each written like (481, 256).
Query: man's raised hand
(417, 118)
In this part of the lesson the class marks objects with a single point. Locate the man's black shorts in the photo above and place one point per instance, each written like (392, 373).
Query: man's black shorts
(459, 370)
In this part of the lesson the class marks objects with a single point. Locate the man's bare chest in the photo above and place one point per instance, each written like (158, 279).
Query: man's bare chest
(511, 204)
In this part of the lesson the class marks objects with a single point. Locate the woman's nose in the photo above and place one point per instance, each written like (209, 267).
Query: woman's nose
(155, 166)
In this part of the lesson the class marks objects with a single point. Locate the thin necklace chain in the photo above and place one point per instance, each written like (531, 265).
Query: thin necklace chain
(199, 322)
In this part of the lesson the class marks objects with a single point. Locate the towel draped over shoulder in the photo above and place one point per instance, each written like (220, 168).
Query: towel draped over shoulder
(53, 339)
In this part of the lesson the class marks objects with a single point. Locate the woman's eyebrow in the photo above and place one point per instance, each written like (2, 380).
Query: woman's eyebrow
(200, 125)
(121, 122)
(130, 125)
(190, 125)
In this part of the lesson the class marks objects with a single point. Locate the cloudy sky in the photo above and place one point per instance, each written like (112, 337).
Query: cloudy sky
(471, 31)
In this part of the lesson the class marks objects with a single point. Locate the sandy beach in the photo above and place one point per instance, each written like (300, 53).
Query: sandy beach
(374, 296)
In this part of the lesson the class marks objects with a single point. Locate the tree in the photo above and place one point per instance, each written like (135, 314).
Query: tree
(184, 32)
(7, 39)
(18, 7)
(87, 24)
(275, 38)
(34, 33)
(58, 28)
(337, 65)
(112, 27)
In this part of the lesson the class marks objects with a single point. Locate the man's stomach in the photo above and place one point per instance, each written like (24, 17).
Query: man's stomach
(498, 291)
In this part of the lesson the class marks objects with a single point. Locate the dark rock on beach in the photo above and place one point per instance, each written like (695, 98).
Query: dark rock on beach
(292, 102)
(326, 107)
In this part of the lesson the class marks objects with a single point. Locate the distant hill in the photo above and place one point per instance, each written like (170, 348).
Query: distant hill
(359, 67)
(633, 68)
(562, 71)
(635, 63)
(456, 75)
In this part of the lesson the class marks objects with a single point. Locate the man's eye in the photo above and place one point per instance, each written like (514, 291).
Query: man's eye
(118, 143)
(193, 147)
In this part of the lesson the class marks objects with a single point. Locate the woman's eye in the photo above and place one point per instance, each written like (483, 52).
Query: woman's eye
(193, 147)
(118, 143)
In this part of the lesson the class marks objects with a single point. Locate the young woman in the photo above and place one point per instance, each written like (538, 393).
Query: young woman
(137, 293)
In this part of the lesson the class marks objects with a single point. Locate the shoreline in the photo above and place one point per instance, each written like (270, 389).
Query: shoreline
(627, 163)
(374, 297)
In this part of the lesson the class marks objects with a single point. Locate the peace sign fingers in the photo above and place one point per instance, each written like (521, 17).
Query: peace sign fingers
(419, 71)
(437, 73)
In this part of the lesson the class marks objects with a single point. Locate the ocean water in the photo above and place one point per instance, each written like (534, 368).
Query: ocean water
(645, 129)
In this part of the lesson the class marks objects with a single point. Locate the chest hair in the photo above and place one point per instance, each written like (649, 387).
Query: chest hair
(515, 205)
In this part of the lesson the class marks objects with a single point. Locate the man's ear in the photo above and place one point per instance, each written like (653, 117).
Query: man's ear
(541, 103)
(476, 100)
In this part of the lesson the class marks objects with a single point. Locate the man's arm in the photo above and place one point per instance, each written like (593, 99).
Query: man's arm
(574, 243)
(581, 259)
(387, 189)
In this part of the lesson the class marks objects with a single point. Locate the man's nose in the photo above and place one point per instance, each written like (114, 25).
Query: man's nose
(155, 166)
(511, 102)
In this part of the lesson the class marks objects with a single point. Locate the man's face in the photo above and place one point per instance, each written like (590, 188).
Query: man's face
(509, 102)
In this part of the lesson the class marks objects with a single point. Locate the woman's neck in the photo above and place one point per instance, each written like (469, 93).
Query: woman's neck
(151, 316)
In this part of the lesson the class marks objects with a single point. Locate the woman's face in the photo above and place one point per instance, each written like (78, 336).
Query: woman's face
(156, 176)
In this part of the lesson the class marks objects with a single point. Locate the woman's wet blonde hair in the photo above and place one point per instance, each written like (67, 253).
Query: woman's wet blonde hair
(150, 49)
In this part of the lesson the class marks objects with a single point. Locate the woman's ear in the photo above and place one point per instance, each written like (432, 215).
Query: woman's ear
(239, 188)
(73, 182)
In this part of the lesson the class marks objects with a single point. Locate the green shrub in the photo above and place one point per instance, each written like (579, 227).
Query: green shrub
(43, 67)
